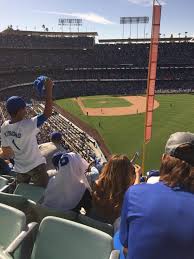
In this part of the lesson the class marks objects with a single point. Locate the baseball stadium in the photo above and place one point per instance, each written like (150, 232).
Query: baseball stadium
(76, 106)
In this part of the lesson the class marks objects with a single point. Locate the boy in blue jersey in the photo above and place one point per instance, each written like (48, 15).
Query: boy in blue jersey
(157, 220)
(18, 139)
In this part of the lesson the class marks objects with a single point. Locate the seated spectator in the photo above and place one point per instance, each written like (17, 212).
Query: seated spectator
(4, 167)
(69, 189)
(92, 173)
(67, 148)
(153, 176)
(18, 139)
(157, 220)
(108, 191)
(50, 148)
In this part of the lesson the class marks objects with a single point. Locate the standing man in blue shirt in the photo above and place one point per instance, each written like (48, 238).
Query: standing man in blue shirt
(157, 221)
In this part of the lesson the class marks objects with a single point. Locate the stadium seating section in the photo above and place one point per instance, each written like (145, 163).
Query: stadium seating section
(82, 66)
(79, 67)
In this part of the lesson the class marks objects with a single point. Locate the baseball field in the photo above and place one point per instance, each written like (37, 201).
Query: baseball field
(120, 121)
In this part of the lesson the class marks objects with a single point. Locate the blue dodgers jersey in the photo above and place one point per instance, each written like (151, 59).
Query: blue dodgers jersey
(157, 222)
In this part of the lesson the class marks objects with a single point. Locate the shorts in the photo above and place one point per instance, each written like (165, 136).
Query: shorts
(37, 175)
(85, 202)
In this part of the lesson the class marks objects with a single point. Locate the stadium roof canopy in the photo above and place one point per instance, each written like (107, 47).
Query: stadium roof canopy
(49, 34)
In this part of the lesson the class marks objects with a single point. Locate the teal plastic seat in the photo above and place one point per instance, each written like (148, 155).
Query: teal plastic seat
(42, 212)
(12, 223)
(59, 238)
(3, 182)
(34, 212)
(21, 203)
(30, 191)
(4, 255)
(16, 201)
(107, 228)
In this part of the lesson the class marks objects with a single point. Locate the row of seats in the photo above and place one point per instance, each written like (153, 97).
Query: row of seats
(55, 238)
(74, 137)
(100, 55)
(27, 198)
(41, 42)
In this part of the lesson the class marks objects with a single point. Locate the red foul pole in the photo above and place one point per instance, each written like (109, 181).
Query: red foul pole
(151, 81)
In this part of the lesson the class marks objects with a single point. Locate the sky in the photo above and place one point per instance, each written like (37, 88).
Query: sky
(102, 16)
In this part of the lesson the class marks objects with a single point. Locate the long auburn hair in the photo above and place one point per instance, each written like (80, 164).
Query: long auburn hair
(116, 177)
(178, 170)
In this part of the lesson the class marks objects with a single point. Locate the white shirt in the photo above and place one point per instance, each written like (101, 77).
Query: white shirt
(153, 179)
(48, 150)
(21, 137)
(65, 190)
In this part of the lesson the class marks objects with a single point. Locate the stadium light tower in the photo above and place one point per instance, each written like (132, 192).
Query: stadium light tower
(70, 23)
(61, 23)
(134, 20)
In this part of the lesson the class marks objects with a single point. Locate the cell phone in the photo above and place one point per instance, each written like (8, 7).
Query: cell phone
(135, 157)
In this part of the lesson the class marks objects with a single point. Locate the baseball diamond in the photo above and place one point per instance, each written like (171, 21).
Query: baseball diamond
(136, 105)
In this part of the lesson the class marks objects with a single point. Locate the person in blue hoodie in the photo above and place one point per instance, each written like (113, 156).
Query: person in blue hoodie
(157, 220)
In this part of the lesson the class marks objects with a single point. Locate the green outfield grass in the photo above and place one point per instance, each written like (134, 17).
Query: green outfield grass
(104, 102)
(124, 134)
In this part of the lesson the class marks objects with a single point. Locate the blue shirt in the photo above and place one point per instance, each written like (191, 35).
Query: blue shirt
(157, 222)
(40, 120)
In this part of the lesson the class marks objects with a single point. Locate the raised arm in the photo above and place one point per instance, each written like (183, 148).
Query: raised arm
(138, 172)
(49, 98)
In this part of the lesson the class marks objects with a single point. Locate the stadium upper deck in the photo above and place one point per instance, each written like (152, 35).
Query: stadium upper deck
(24, 55)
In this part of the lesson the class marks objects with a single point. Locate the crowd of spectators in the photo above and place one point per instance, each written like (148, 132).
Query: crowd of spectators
(153, 221)
(113, 62)
(76, 88)
(152, 215)
(100, 55)
(77, 140)
(43, 42)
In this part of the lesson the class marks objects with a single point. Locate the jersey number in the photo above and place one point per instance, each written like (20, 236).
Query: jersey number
(13, 141)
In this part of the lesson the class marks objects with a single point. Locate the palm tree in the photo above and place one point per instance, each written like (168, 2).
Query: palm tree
(186, 34)
(43, 26)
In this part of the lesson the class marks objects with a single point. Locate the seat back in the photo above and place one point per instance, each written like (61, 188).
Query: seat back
(4, 255)
(42, 212)
(105, 227)
(60, 238)
(15, 201)
(30, 191)
(3, 182)
(12, 222)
